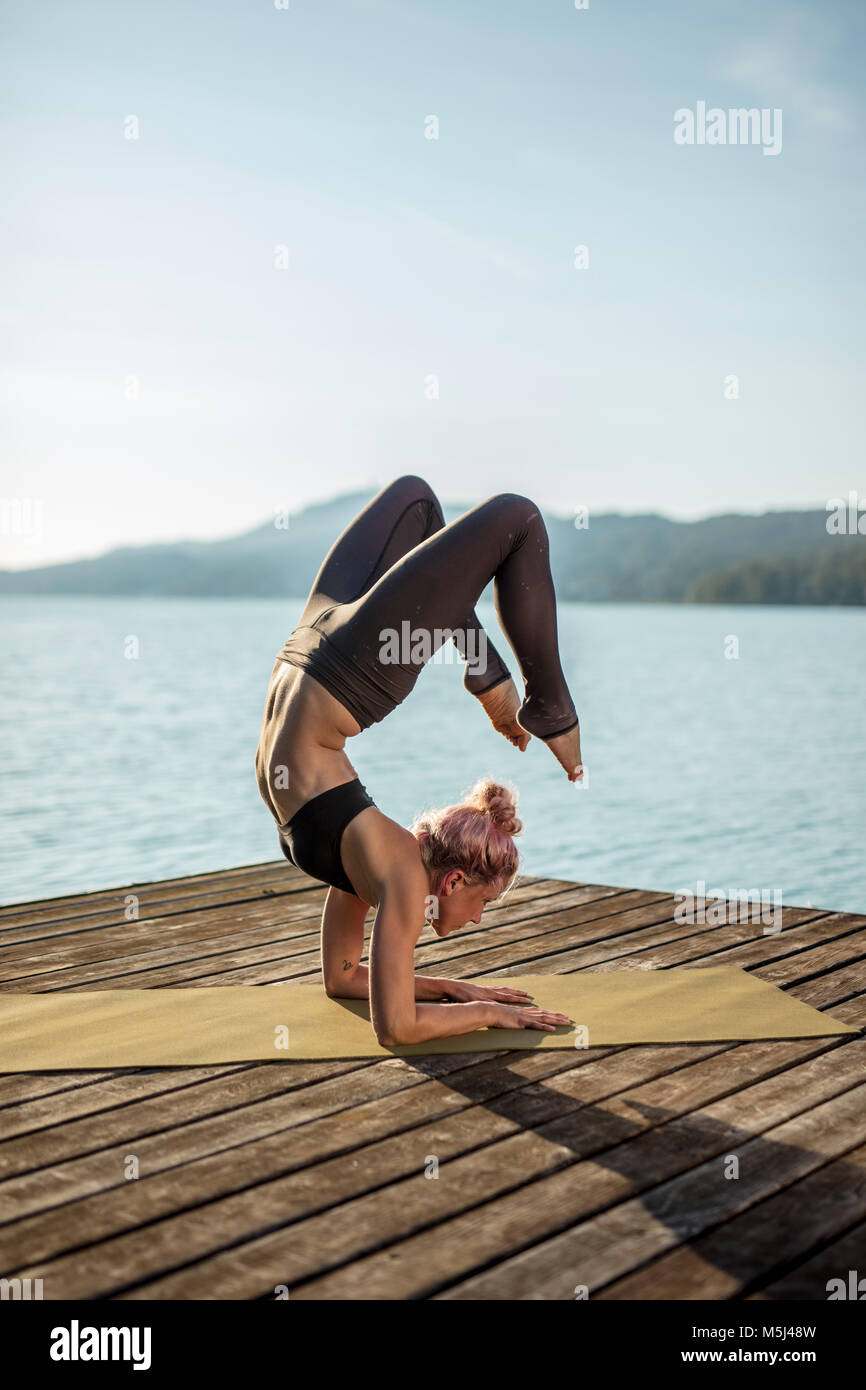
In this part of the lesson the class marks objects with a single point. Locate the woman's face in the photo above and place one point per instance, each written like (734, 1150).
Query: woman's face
(460, 902)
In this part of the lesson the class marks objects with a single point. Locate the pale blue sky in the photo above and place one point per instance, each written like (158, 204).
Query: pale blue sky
(262, 388)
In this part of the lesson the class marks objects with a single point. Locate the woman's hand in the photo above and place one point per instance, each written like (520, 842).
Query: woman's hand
(510, 1008)
(545, 1020)
(461, 992)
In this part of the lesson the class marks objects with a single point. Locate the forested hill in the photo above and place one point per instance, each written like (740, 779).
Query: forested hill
(779, 557)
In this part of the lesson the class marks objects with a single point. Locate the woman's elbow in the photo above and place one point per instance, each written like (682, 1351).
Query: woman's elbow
(396, 1033)
(339, 984)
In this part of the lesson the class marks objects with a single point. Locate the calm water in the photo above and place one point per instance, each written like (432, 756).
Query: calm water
(746, 774)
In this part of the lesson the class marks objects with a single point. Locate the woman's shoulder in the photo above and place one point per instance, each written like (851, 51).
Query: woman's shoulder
(381, 832)
(387, 850)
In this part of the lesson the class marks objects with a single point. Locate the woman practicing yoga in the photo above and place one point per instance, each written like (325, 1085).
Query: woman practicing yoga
(394, 587)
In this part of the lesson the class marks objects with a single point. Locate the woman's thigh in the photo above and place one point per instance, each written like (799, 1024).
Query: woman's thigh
(434, 588)
(398, 519)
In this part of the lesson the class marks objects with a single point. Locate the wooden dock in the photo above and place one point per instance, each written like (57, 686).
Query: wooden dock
(608, 1169)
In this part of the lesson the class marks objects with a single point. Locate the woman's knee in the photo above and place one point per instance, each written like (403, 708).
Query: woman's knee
(515, 505)
(517, 499)
(411, 488)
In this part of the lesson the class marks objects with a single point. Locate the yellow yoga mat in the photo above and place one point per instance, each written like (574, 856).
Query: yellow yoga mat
(246, 1023)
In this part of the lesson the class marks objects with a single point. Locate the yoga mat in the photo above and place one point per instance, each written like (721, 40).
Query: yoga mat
(246, 1023)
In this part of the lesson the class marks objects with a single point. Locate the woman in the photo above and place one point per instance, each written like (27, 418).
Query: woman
(397, 584)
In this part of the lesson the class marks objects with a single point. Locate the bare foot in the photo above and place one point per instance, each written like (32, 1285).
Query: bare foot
(501, 705)
(566, 749)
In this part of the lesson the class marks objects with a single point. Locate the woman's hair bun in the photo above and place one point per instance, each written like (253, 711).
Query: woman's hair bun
(473, 836)
(498, 802)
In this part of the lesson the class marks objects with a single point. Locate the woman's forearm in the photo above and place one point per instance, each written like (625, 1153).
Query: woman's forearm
(431, 1020)
(444, 1021)
(357, 986)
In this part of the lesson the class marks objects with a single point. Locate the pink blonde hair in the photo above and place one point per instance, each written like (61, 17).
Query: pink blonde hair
(474, 836)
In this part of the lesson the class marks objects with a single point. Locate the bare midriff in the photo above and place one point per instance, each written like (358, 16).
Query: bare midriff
(301, 747)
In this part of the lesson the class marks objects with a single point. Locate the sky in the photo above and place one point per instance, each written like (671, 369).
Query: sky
(239, 276)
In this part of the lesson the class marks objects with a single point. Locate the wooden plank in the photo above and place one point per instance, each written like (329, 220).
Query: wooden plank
(593, 1251)
(417, 1240)
(145, 1103)
(267, 922)
(107, 907)
(191, 882)
(724, 1078)
(273, 962)
(255, 880)
(318, 1168)
(184, 1168)
(329, 1182)
(822, 992)
(93, 1101)
(117, 950)
(25, 1086)
(473, 956)
(811, 1278)
(180, 1147)
(726, 1261)
(262, 944)
(632, 944)
(312, 894)
(749, 941)
(520, 900)
(847, 949)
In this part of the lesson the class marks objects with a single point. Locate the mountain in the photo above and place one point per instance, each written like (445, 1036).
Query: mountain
(779, 557)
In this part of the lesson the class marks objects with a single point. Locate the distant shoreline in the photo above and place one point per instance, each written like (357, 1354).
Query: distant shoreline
(774, 559)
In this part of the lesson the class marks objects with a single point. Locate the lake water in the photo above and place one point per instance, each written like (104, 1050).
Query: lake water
(744, 774)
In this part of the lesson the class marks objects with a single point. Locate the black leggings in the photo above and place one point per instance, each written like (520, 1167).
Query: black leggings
(398, 583)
